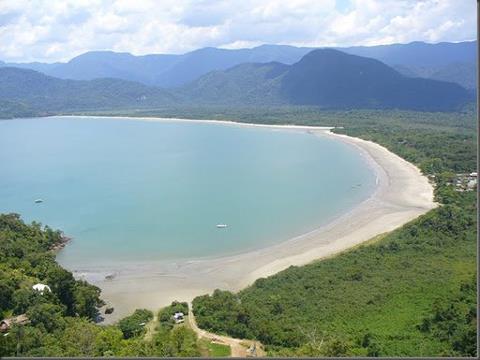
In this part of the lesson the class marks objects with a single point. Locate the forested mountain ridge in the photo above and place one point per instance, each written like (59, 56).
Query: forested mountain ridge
(244, 84)
(327, 78)
(171, 70)
(163, 70)
(49, 94)
(418, 53)
(335, 79)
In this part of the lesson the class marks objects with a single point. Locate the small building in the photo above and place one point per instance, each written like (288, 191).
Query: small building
(41, 288)
(6, 324)
(471, 184)
(179, 317)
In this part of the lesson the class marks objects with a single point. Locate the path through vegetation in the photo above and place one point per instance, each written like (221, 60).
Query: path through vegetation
(239, 347)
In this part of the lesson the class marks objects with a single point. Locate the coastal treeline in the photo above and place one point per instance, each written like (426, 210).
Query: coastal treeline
(407, 293)
(60, 319)
(392, 297)
(411, 292)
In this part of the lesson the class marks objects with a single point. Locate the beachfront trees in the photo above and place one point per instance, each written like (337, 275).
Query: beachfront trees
(231, 317)
(86, 300)
(134, 324)
(62, 284)
(378, 299)
(403, 275)
(60, 321)
(388, 310)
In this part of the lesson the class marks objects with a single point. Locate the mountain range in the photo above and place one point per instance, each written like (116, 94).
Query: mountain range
(46, 94)
(326, 78)
(453, 62)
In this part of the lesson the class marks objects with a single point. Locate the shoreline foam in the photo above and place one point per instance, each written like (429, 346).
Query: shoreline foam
(402, 194)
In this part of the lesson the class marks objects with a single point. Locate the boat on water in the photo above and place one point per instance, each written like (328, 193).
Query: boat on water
(221, 226)
(38, 201)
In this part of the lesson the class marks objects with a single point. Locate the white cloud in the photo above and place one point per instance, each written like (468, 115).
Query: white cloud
(53, 30)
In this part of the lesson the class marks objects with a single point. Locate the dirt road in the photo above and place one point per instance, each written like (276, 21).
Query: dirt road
(239, 347)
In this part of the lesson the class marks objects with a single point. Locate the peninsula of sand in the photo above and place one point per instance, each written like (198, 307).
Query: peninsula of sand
(401, 195)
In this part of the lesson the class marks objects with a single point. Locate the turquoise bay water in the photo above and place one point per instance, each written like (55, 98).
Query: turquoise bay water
(129, 190)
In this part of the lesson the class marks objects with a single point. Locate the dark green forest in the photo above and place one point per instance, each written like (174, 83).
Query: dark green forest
(61, 322)
(411, 292)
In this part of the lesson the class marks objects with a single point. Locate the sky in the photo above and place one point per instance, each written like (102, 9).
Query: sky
(58, 30)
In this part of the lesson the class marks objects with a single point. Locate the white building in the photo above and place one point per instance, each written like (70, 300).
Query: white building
(179, 317)
(41, 288)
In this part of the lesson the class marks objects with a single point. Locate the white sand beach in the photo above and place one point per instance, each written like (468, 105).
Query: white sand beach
(402, 194)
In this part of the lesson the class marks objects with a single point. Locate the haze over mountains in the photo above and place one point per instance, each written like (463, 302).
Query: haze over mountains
(443, 61)
(266, 75)
(326, 78)
(46, 93)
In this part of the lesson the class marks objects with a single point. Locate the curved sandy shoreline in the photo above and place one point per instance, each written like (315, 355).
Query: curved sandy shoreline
(402, 194)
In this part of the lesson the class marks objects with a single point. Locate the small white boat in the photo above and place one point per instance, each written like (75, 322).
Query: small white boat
(221, 226)
(38, 201)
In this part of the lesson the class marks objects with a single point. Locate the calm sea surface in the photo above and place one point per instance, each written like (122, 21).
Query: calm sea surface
(129, 190)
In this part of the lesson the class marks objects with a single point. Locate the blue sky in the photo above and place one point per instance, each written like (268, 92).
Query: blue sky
(51, 30)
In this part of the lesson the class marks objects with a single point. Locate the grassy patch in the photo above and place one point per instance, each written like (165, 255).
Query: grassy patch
(219, 350)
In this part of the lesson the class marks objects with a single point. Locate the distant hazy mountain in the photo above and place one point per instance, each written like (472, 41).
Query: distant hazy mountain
(45, 93)
(197, 63)
(163, 70)
(327, 78)
(176, 70)
(455, 62)
(419, 54)
(464, 74)
(109, 64)
(37, 66)
(335, 79)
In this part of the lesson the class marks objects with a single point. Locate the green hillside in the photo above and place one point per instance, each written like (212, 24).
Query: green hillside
(43, 93)
(328, 79)
(462, 73)
(411, 292)
(332, 79)
(407, 293)
(325, 78)
(61, 321)
(242, 84)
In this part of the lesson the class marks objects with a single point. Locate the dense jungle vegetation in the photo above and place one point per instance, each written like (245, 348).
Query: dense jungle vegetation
(410, 292)
(62, 321)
